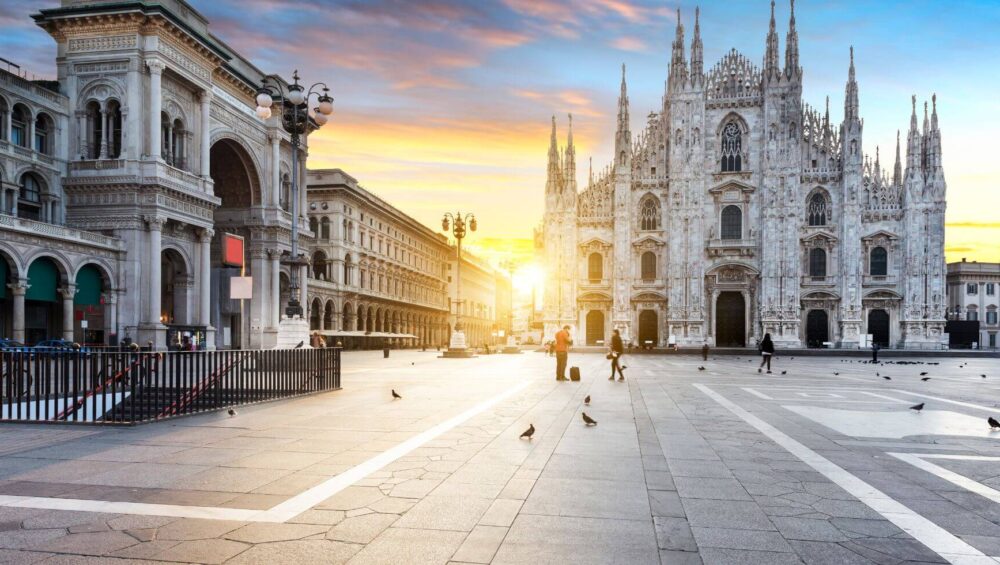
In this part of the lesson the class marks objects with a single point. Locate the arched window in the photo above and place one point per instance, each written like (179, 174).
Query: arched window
(165, 137)
(817, 262)
(878, 262)
(313, 225)
(114, 120)
(284, 198)
(95, 131)
(347, 269)
(177, 143)
(29, 201)
(19, 120)
(732, 141)
(4, 117)
(595, 267)
(732, 223)
(817, 210)
(649, 214)
(44, 132)
(324, 229)
(648, 269)
(319, 265)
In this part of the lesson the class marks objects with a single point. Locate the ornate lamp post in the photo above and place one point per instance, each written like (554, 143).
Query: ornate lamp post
(456, 224)
(295, 118)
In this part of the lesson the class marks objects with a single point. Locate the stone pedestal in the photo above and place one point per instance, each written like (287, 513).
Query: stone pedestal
(292, 331)
(156, 333)
(457, 348)
(511, 346)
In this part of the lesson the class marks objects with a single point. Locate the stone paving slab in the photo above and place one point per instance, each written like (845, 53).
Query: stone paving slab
(669, 474)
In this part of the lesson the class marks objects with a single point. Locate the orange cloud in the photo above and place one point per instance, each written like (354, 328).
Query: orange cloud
(628, 44)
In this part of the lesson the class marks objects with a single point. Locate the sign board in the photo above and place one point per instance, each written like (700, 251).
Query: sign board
(83, 324)
(232, 250)
(241, 288)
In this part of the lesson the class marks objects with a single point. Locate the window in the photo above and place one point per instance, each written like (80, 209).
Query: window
(649, 214)
(972, 314)
(732, 139)
(29, 203)
(114, 119)
(19, 125)
(817, 210)
(177, 145)
(991, 317)
(732, 223)
(993, 340)
(313, 226)
(4, 111)
(991, 289)
(347, 269)
(878, 265)
(43, 134)
(971, 288)
(284, 197)
(324, 230)
(595, 267)
(648, 270)
(817, 263)
(95, 131)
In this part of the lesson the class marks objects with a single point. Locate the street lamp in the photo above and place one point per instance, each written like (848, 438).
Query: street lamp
(295, 118)
(455, 223)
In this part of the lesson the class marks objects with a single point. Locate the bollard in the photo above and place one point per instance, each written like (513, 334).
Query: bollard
(385, 353)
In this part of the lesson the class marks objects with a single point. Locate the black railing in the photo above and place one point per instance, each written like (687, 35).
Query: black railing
(142, 386)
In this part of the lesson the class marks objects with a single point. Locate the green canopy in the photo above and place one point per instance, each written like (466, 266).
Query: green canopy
(43, 278)
(89, 286)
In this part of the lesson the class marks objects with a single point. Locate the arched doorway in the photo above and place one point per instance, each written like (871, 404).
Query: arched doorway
(595, 327)
(348, 318)
(878, 326)
(237, 183)
(730, 320)
(174, 285)
(8, 274)
(42, 303)
(649, 331)
(817, 328)
(88, 306)
(315, 311)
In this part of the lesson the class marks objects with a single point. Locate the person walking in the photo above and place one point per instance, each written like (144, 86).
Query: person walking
(561, 347)
(766, 352)
(704, 352)
(617, 350)
(874, 352)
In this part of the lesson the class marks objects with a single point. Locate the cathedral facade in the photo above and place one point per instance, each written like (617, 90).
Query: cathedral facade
(738, 210)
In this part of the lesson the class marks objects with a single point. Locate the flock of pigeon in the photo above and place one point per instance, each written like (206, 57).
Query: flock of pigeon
(587, 421)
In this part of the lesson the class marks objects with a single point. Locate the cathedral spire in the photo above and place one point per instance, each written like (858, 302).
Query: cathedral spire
(569, 162)
(771, 69)
(913, 142)
(697, 55)
(678, 64)
(623, 137)
(553, 183)
(792, 47)
(926, 121)
(934, 119)
(623, 104)
(897, 169)
(590, 172)
(878, 164)
(851, 93)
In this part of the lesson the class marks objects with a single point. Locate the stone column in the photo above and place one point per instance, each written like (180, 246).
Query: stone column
(206, 134)
(110, 313)
(83, 130)
(17, 290)
(7, 122)
(276, 169)
(155, 276)
(303, 286)
(303, 201)
(103, 154)
(205, 278)
(68, 292)
(155, 99)
(275, 287)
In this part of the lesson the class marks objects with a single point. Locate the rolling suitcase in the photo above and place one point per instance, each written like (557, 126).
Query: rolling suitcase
(574, 373)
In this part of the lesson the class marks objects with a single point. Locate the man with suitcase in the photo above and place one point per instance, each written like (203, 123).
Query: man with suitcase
(562, 344)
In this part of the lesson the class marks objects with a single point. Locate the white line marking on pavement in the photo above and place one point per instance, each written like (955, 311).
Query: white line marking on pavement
(918, 460)
(757, 393)
(280, 513)
(956, 402)
(889, 398)
(939, 540)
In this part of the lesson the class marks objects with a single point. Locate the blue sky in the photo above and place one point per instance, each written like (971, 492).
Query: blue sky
(442, 103)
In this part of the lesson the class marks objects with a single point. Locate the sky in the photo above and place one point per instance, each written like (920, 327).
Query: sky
(444, 105)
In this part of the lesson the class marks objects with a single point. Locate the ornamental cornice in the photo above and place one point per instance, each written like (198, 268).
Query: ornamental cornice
(186, 60)
(54, 243)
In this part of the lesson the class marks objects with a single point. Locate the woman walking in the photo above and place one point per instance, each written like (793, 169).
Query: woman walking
(766, 352)
(617, 350)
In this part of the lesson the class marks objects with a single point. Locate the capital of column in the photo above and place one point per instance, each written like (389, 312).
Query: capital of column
(18, 288)
(156, 66)
(205, 96)
(110, 297)
(205, 235)
(68, 291)
(155, 222)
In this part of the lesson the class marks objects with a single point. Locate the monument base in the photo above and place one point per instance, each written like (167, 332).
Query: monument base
(291, 332)
(511, 346)
(457, 348)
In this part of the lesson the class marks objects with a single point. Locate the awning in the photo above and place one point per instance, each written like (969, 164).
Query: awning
(340, 333)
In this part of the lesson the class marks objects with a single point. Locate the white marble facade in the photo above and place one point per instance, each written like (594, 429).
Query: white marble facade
(154, 152)
(738, 210)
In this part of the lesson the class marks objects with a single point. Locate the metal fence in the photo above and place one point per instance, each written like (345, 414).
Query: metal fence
(133, 387)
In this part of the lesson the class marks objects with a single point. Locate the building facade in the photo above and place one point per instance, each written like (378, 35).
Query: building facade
(737, 210)
(377, 276)
(974, 295)
(482, 303)
(121, 177)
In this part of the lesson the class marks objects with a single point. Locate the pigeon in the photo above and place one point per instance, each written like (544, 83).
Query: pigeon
(588, 420)
(877, 374)
(301, 343)
(983, 376)
(993, 422)
(925, 379)
(529, 432)
(701, 368)
(836, 374)
(231, 412)
(922, 373)
(784, 372)
(395, 395)
(918, 407)
(887, 378)
(587, 400)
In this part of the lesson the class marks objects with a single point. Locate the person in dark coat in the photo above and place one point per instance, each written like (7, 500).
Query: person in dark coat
(704, 352)
(766, 352)
(875, 349)
(617, 350)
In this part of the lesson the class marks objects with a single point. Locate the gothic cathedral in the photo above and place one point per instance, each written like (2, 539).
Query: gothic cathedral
(738, 211)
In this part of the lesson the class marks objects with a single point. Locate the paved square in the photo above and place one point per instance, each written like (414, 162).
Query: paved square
(722, 465)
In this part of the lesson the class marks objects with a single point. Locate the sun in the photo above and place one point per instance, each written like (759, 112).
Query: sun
(527, 277)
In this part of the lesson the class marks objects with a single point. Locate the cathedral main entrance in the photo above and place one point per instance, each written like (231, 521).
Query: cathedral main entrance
(595, 327)
(817, 328)
(730, 320)
(649, 334)
(878, 326)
